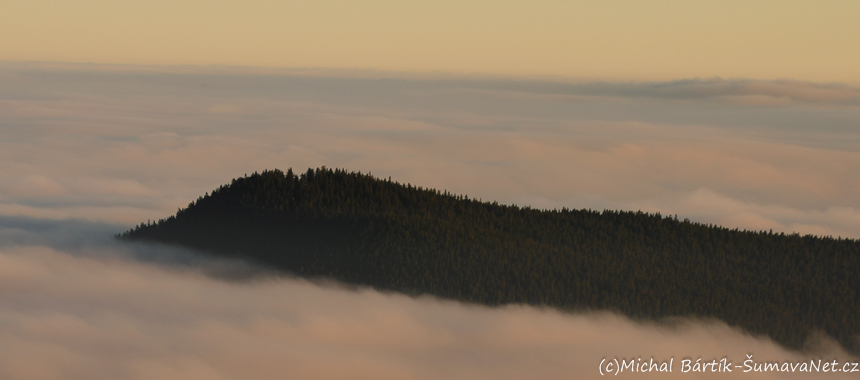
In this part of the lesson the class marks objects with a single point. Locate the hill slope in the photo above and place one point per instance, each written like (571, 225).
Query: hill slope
(363, 230)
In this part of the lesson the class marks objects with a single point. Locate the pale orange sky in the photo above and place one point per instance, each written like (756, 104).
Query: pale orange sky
(615, 40)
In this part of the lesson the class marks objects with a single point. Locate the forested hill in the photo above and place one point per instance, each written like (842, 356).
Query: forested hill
(363, 230)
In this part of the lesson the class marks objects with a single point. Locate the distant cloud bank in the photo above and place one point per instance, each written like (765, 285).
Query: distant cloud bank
(125, 144)
(76, 305)
(729, 91)
(88, 151)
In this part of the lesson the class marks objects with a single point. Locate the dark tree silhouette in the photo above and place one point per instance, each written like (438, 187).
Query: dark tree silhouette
(362, 230)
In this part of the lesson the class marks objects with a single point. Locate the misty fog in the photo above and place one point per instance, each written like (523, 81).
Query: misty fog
(89, 151)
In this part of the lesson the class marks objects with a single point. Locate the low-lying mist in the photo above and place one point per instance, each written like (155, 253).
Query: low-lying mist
(76, 304)
(87, 151)
(124, 145)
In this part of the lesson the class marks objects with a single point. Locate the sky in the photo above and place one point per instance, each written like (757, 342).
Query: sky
(743, 114)
(606, 40)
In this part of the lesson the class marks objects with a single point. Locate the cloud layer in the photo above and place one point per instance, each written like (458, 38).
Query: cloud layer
(88, 308)
(110, 147)
(125, 144)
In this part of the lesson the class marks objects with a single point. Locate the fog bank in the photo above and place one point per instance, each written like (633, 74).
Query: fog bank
(127, 144)
(94, 310)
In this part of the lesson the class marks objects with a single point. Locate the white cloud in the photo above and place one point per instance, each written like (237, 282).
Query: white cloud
(124, 146)
(136, 145)
(33, 186)
(95, 313)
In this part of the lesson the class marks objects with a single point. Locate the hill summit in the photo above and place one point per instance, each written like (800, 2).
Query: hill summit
(363, 230)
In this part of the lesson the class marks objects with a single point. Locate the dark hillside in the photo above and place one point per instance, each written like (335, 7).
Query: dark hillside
(363, 230)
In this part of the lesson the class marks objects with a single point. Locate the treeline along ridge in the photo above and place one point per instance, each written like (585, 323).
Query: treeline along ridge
(362, 230)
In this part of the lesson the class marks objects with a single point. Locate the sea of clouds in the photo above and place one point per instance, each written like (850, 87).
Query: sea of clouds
(77, 304)
(88, 151)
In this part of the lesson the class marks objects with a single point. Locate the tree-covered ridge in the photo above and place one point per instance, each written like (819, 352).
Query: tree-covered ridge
(363, 230)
